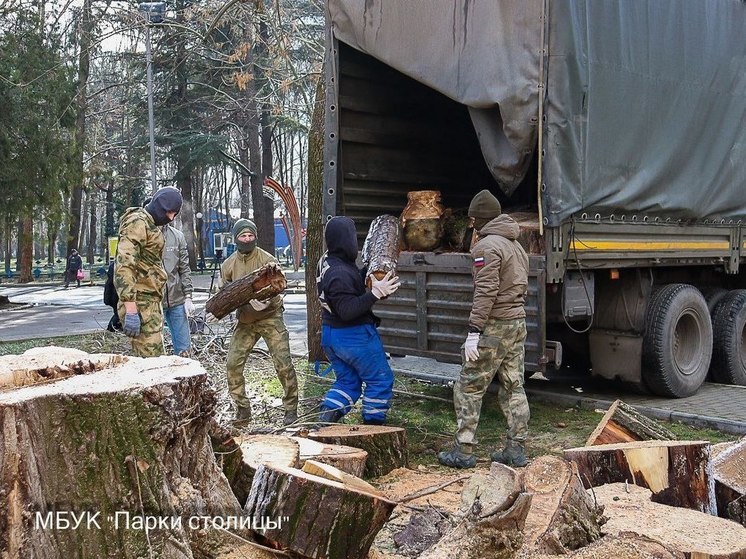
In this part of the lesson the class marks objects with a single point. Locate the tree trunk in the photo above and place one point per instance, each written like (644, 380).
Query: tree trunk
(623, 423)
(315, 228)
(685, 532)
(25, 250)
(386, 446)
(335, 474)
(319, 518)
(92, 228)
(346, 458)
(128, 441)
(676, 471)
(381, 247)
(263, 283)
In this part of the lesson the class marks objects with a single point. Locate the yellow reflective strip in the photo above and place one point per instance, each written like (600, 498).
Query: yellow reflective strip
(621, 246)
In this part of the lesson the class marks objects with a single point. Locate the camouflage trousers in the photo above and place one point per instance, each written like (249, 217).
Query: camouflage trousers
(501, 353)
(276, 336)
(150, 341)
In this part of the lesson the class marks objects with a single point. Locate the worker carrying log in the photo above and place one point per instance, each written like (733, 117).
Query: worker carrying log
(497, 332)
(349, 335)
(257, 319)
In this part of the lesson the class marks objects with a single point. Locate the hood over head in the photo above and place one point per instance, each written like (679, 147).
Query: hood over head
(167, 199)
(502, 225)
(341, 238)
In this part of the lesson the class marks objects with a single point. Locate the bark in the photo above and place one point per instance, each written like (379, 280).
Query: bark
(676, 471)
(622, 423)
(319, 518)
(129, 438)
(346, 458)
(381, 247)
(25, 249)
(264, 283)
(682, 531)
(386, 446)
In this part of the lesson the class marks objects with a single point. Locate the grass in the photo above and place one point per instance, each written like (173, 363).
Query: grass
(424, 410)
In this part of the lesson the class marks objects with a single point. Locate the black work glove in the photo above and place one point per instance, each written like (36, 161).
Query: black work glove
(131, 326)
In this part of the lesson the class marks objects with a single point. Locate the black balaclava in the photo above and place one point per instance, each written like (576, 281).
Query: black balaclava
(341, 238)
(167, 199)
(239, 227)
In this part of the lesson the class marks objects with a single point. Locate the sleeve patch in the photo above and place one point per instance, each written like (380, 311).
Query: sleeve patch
(479, 261)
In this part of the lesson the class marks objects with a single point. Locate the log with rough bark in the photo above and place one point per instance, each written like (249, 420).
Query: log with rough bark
(729, 471)
(262, 284)
(346, 458)
(492, 515)
(381, 247)
(316, 517)
(563, 517)
(677, 472)
(682, 531)
(622, 423)
(386, 446)
(127, 440)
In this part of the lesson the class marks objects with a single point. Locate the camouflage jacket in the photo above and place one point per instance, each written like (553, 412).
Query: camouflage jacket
(238, 265)
(500, 272)
(176, 264)
(139, 273)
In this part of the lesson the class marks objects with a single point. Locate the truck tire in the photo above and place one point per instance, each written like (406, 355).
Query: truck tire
(729, 339)
(677, 345)
(713, 296)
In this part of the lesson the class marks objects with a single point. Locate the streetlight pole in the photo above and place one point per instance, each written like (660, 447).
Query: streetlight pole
(153, 12)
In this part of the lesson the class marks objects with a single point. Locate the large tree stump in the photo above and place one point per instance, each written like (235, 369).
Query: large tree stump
(316, 517)
(386, 446)
(346, 458)
(562, 516)
(729, 471)
(677, 472)
(130, 439)
(262, 284)
(623, 423)
(335, 474)
(381, 247)
(683, 531)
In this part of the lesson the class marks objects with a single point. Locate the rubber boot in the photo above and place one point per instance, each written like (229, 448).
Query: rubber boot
(330, 416)
(512, 455)
(455, 458)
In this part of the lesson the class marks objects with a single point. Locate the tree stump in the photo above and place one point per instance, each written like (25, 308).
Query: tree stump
(315, 517)
(562, 516)
(677, 472)
(623, 423)
(335, 474)
(386, 446)
(682, 531)
(729, 471)
(262, 284)
(381, 247)
(111, 446)
(346, 458)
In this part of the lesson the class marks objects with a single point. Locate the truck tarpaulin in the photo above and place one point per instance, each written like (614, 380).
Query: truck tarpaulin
(645, 100)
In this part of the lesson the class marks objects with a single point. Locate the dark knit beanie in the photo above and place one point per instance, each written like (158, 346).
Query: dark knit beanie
(485, 205)
(167, 199)
(239, 227)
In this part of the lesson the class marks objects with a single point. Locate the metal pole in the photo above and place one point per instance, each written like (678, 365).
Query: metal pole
(149, 64)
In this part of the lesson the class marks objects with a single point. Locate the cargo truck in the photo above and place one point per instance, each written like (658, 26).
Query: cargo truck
(615, 130)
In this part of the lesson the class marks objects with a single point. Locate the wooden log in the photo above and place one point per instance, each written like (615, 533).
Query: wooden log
(626, 545)
(492, 491)
(563, 517)
(335, 474)
(316, 517)
(729, 471)
(346, 458)
(685, 532)
(386, 446)
(622, 423)
(677, 472)
(130, 439)
(262, 284)
(381, 247)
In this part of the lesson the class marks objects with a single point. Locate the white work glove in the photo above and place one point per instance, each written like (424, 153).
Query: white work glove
(471, 351)
(385, 286)
(189, 306)
(210, 318)
(258, 305)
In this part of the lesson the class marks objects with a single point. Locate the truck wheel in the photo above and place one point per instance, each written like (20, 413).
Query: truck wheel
(729, 350)
(713, 296)
(677, 345)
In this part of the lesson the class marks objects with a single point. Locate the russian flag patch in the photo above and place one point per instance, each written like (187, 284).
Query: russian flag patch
(479, 261)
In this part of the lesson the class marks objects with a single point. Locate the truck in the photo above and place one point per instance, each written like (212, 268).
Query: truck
(615, 129)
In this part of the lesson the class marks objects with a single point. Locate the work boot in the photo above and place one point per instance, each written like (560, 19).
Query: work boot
(454, 458)
(291, 416)
(512, 455)
(370, 421)
(330, 416)
(243, 414)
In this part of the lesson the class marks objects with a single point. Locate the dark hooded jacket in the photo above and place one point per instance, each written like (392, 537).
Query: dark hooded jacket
(341, 285)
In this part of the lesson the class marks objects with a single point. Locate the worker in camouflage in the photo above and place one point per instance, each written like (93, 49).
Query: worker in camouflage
(257, 319)
(139, 277)
(496, 338)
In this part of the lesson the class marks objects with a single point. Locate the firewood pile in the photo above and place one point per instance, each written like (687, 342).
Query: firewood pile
(110, 456)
